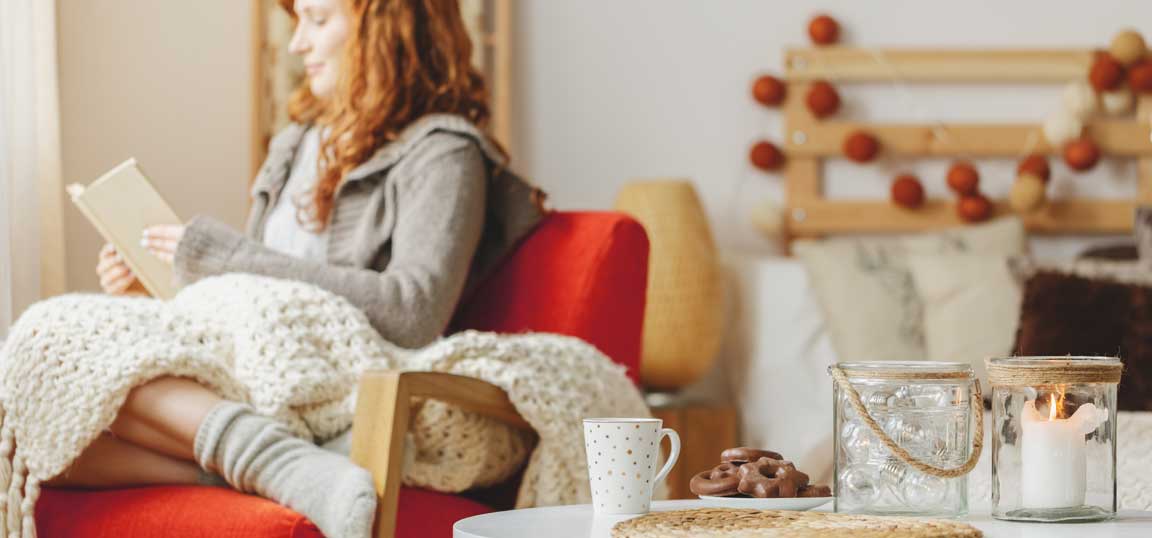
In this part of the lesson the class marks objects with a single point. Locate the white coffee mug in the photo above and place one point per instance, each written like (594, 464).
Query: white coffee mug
(622, 458)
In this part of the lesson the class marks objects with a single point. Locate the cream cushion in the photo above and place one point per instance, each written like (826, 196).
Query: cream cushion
(971, 307)
(867, 293)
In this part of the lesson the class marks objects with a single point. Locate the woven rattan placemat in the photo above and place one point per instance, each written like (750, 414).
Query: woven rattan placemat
(733, 523)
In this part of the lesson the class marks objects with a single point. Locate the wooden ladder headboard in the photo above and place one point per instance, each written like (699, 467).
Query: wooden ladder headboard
(808, 141)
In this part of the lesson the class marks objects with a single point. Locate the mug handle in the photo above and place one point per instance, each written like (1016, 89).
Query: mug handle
(673, 455)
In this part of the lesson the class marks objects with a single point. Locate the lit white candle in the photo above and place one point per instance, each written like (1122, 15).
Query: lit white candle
(1053, 466)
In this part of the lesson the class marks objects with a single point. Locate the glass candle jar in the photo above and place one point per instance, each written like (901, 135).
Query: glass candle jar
(904, 440)
(1054, 438)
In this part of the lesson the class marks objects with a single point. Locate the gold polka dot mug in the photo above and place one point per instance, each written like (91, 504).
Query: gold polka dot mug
(623, 456)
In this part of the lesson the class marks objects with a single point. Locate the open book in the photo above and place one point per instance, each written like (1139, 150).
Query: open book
(120, 204)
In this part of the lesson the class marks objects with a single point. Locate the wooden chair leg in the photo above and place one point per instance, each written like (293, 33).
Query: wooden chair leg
(382, 410)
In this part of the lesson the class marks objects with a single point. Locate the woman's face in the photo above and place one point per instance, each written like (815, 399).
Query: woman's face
(321, 31)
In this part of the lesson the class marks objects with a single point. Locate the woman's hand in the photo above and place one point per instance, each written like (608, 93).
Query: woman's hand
(163, 240)
(115, 276)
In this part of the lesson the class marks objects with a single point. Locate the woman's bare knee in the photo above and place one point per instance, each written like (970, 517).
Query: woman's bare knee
(166, 394)
(164, 415)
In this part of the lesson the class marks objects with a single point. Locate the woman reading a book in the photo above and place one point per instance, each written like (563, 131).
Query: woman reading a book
(385, 190)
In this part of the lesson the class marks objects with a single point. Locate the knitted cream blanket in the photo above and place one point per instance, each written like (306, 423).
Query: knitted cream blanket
(295, 353)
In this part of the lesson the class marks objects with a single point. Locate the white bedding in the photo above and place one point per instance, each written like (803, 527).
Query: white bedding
(775, 361)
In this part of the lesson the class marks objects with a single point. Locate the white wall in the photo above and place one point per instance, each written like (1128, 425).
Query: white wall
(605, 91)
(166, 82)
(610, 90)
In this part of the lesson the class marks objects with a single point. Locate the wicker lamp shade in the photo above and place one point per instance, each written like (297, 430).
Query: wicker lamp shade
(683, 320)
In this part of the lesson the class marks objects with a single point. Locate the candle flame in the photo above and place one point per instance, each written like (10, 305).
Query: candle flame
(1056, 405)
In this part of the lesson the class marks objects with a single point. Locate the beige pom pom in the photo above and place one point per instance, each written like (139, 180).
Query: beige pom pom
(768, 217)
(1062, 127)
(1027, 194)
(1127, 47)
(1117, 102)
(1080, 100)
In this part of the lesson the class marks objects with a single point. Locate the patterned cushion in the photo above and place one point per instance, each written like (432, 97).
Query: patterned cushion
(1065, 314)
(1125, 252)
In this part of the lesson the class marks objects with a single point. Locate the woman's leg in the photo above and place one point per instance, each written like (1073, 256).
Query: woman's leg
(151, 441)
(181, 419)
(111, 463)
(164, 415)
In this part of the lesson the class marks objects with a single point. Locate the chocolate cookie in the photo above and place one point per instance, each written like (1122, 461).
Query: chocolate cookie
(747, 454)
(722, 481)
(768, 477)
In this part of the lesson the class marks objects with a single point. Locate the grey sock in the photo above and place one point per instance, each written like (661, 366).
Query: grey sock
(256, 454)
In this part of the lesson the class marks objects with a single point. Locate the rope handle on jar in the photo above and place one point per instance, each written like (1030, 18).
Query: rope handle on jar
(977, 405)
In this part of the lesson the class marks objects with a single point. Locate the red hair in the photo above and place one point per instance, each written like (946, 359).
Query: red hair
(404, 59)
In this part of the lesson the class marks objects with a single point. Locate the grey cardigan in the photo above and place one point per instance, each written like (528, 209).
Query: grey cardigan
(412, 227)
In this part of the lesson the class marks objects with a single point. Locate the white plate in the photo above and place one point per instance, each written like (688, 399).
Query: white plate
(787, 503)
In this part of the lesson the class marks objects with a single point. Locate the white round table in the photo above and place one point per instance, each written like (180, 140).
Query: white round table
(578, 521)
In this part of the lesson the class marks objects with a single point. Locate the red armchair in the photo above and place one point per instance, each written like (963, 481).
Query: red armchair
(581, 274)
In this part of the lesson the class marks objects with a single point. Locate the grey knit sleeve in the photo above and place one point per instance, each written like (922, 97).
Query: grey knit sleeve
(440, 218)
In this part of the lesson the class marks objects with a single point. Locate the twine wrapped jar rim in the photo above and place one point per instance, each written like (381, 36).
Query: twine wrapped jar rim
(1053, 370)
(931, 371)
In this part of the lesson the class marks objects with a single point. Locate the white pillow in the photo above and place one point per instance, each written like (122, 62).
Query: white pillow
(971, 307)
(866, 292)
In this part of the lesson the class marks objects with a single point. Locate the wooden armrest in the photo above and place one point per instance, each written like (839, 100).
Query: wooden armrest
(383, 408)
